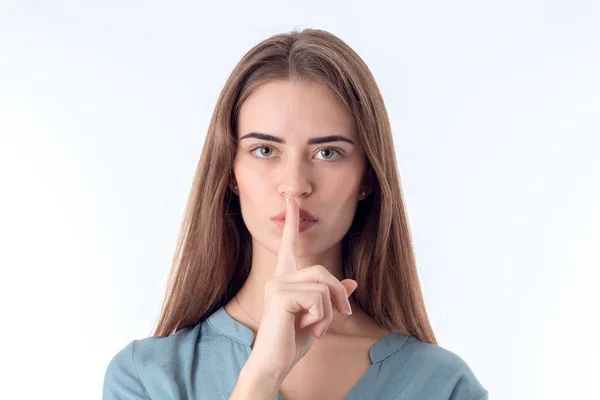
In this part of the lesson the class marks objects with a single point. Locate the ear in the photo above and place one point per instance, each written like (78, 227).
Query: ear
(366, 185)
(233, 187)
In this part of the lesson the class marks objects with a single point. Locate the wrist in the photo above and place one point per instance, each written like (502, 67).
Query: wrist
(257, 368)
(259, 380)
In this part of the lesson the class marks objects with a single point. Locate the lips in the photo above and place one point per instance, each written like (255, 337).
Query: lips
(304, 214)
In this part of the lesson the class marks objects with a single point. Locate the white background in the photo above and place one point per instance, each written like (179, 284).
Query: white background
(495, 112)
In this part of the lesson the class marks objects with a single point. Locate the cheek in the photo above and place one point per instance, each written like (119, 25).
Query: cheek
(340, 202)
(253, 189)
(252, 183)
(342, 184)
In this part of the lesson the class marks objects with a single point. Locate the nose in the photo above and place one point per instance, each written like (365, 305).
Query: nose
(295, 179)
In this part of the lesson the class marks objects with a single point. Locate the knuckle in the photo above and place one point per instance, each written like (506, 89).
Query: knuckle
(322, 270)
(319, 273)
(320, 312)
(325, 291)
(317, 297)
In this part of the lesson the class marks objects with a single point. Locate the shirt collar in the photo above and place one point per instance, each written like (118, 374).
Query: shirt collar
(387, 345)
(225, 324)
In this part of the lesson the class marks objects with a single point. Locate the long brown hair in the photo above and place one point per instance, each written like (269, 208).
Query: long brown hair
(214, 252)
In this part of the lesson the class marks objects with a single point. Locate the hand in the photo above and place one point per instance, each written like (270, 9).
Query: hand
(298, 306)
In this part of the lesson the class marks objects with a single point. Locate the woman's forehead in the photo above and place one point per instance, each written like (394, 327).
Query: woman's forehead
(295, 109)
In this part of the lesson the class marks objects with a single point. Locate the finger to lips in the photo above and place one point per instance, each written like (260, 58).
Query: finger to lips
(288, 248)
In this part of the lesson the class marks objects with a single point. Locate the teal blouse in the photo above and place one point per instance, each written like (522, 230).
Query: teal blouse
(204, 361)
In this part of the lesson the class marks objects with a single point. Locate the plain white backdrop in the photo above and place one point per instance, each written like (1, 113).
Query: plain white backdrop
(495, 110)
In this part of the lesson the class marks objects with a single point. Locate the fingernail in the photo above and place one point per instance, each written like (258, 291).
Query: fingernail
(348, 307)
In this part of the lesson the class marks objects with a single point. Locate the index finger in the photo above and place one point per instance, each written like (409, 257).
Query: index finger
(286, 258)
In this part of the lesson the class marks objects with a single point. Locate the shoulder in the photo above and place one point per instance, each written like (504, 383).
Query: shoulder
(203, 360)
(132, 372)
(434, 356)
(435, 372)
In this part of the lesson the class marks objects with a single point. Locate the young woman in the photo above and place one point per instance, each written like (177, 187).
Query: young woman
(294, 277)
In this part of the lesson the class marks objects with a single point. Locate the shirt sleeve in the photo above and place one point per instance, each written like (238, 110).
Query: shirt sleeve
(121, 380)
(468, 387)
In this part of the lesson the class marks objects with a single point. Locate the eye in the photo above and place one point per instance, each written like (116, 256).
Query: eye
(326, 151)
(330, 151)
(253, 151)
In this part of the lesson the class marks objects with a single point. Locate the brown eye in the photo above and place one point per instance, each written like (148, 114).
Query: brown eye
(326, 151)
(329, 154)
(265, 152)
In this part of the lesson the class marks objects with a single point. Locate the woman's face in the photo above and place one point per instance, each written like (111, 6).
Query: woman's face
(324, 178)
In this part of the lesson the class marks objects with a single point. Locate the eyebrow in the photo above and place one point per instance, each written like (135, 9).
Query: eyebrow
(315, 140)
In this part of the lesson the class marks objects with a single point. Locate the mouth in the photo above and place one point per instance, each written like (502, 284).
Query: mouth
(303, 225)
(305, 216)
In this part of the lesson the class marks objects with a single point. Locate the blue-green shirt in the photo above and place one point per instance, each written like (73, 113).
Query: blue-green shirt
(204, 361)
